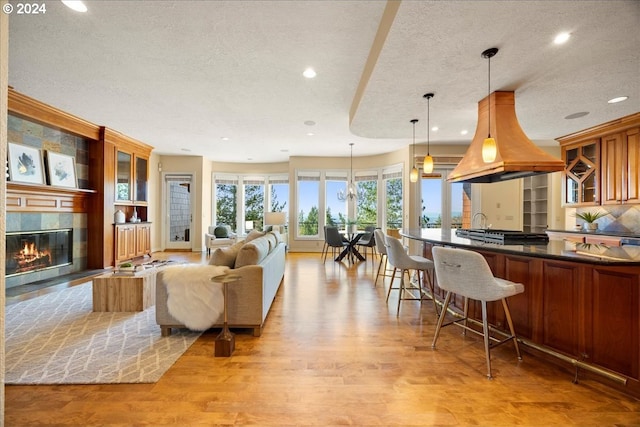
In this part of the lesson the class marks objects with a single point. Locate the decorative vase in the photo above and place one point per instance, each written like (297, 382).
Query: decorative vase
(118, 217)
(592, 226)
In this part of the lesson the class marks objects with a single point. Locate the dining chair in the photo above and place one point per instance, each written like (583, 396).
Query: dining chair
(466, 273)
(368, 240)
(401, 260)
(325, 246)
(334, 241)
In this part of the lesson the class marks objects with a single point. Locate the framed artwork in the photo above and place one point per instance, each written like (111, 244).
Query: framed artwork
(25, 164)
(61, 170)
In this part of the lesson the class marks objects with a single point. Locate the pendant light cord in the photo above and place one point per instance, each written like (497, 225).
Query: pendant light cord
(489, 96)
(428, 121)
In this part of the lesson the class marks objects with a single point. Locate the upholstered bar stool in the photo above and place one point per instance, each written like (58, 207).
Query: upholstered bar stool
(466, 273)
(404, 262)
(382, 250)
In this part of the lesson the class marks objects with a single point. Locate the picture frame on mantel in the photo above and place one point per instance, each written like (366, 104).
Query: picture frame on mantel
(61, 170)
(25, 164)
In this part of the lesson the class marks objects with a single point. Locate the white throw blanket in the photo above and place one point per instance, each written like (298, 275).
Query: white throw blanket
(193, 298)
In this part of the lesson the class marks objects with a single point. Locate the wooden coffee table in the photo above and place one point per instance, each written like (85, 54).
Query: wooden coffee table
(113, 292)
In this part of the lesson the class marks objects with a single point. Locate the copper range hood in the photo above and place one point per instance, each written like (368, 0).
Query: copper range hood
(517, 156)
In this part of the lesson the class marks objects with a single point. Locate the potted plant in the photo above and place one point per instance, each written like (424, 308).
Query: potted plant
(590, 218)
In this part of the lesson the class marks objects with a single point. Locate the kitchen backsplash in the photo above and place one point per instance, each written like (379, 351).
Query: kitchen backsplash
(619, 219)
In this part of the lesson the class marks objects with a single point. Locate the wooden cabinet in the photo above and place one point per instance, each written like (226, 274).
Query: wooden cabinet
(534, 209)
(143, 239)
(601, 164)
(581, 175)
(132, 241)
(620, 177)
(132, 176)
(125, 175)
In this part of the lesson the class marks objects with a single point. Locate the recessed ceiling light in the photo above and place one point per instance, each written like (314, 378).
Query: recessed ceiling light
(284, 150)
(617, 99)
(185, 150)
(76, 5)
(562, 38)
(435, 128)
(310, 123)
(310, 133)
(249, 158)
(577, 115)
(309, 73)
(464, 132)
(225, 138)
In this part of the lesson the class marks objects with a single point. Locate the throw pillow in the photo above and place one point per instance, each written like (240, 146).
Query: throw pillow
(253, 234)
(252, 253)
(221, 232)
(225, 256)
(271, 238)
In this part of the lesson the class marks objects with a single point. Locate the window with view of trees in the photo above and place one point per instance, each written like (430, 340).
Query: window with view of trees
(308, 195)
(253, 204)
(335, 209)
(367, 203)
(226, 203)
(240, 199)
(393, 193)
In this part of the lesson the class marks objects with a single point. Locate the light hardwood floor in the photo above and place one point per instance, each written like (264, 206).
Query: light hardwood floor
(333, 353)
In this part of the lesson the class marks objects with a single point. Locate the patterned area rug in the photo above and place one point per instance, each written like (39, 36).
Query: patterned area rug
(57, 339)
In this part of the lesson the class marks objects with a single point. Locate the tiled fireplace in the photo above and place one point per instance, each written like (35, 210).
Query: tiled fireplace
(66, 232)
(31, 251)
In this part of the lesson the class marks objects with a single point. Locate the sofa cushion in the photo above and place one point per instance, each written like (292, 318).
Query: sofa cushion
(253, 234)
(221, 232)
(253, 252)
(226, 256)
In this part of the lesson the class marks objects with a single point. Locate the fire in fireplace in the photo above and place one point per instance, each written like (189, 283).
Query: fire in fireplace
(37, 250)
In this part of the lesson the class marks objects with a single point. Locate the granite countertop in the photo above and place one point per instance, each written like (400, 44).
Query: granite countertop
(554, 249)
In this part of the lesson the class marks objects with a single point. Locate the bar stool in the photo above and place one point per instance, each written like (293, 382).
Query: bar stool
(378, 236)
(466, 273)
(404, 262)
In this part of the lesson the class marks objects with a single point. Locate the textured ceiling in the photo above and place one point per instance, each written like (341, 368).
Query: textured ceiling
(180, 75)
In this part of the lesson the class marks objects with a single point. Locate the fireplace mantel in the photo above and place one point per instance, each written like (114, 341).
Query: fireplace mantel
(39, 198)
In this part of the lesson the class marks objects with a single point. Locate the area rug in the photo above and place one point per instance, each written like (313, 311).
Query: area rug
(57, 339)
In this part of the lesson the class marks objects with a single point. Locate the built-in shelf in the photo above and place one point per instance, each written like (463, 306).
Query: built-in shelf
(534, 204)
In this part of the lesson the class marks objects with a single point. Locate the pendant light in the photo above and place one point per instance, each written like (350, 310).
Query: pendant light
(413, 176)
(351, 190)
(428, 160)
(489, 148)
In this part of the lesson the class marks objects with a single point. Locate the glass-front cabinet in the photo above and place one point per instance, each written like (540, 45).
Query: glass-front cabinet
(131, 177)
(142, 174)
(123, 176)
(581, 174)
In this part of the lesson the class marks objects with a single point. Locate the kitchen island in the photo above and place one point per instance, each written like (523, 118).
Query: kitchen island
(581, 304)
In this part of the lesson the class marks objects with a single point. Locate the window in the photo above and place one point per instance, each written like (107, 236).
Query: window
(336, 211)
(393, 198)
(253, 203)
(367, 204)
(226, 201)
(308, 195)
(442, 203)
(278, 193)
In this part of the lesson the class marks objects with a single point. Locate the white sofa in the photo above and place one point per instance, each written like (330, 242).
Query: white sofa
(213, 242)
(260, 263)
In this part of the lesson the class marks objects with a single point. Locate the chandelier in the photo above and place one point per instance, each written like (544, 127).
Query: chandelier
(351, 193)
